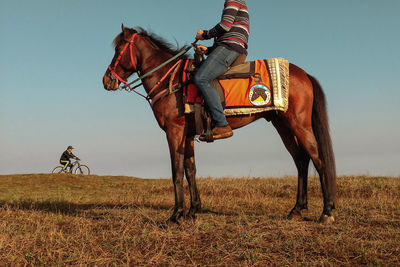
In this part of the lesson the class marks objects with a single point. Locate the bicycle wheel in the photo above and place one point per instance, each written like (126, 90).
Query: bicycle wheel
(82, 170)
(58, 169)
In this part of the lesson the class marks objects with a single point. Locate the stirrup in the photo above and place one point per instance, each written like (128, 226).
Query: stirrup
(208, 135)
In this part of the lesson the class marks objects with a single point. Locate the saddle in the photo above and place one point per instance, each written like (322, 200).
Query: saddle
(245, 88)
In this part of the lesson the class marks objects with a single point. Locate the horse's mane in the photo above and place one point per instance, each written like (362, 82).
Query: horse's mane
(158, 41)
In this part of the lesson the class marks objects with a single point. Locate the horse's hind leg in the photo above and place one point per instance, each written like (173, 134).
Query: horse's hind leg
(307, 119)
(190, 171)
(307, 140)
(302, 160)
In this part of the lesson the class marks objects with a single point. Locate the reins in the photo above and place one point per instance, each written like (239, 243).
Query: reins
(127, 86)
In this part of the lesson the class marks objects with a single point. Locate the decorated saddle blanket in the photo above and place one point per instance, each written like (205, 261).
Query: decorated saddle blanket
(249, 88)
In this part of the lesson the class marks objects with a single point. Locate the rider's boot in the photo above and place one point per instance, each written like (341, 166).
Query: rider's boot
(219, 132)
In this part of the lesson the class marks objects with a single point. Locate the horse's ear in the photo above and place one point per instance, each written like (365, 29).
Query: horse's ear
(122, 27)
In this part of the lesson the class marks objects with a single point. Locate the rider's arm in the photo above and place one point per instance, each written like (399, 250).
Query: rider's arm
(228, 17)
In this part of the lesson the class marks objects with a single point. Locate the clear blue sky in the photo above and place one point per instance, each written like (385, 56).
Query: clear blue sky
(53, 55)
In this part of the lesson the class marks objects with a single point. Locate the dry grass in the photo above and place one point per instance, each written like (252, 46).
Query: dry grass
(63, 219)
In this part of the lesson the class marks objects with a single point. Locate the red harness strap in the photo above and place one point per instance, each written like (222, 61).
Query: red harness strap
(168, 90)
(184, 72)
(176, 65)
(129, 42)
(158, 96)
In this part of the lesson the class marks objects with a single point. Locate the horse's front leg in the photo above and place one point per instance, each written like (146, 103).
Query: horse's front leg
(190, 171)
(176, 143)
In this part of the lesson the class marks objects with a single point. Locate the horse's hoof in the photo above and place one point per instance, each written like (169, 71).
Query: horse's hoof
(172, 221)
(190, 216)
(325, 219)
(175, 217)
(295, 217)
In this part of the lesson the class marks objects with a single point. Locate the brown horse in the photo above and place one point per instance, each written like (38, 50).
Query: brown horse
(303, 127)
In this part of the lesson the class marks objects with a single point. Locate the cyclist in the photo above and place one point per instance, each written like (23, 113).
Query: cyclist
(65, 158)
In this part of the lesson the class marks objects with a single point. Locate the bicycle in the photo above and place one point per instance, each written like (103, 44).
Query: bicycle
(76, 168)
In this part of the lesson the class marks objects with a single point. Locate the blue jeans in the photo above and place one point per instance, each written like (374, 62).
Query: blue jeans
(215, 64)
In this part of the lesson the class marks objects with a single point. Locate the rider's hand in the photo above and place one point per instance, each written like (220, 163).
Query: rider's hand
(201, 48)
(199, 35)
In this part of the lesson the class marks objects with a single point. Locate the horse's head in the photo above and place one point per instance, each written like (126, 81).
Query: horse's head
(124, 61)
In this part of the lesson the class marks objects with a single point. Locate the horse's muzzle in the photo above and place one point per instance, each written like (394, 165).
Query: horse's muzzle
(110, 82)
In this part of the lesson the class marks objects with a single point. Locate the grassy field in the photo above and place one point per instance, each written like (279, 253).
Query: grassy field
(63, 219)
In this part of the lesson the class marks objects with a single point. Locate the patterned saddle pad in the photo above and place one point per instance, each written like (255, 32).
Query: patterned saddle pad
(249, 88)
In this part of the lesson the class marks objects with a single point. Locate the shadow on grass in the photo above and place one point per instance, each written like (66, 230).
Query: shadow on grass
(84, 209)
(234, 214)
(68, 208)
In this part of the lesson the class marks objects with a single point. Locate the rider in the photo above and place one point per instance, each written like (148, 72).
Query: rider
(230, 41)
(66, 156)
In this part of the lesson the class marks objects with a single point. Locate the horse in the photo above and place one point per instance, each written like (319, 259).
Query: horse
(303, 128)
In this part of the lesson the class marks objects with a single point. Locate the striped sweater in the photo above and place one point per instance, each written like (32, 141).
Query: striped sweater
(233, 29)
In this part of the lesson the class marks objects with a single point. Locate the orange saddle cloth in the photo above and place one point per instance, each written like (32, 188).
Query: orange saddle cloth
(249, 88)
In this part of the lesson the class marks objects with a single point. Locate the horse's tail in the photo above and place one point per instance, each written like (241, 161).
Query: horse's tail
(320, 127)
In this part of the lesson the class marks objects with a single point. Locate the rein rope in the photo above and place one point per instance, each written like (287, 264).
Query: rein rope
(174, 69)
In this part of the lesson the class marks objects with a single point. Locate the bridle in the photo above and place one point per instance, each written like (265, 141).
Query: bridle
(127, 86)
(113, 74)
